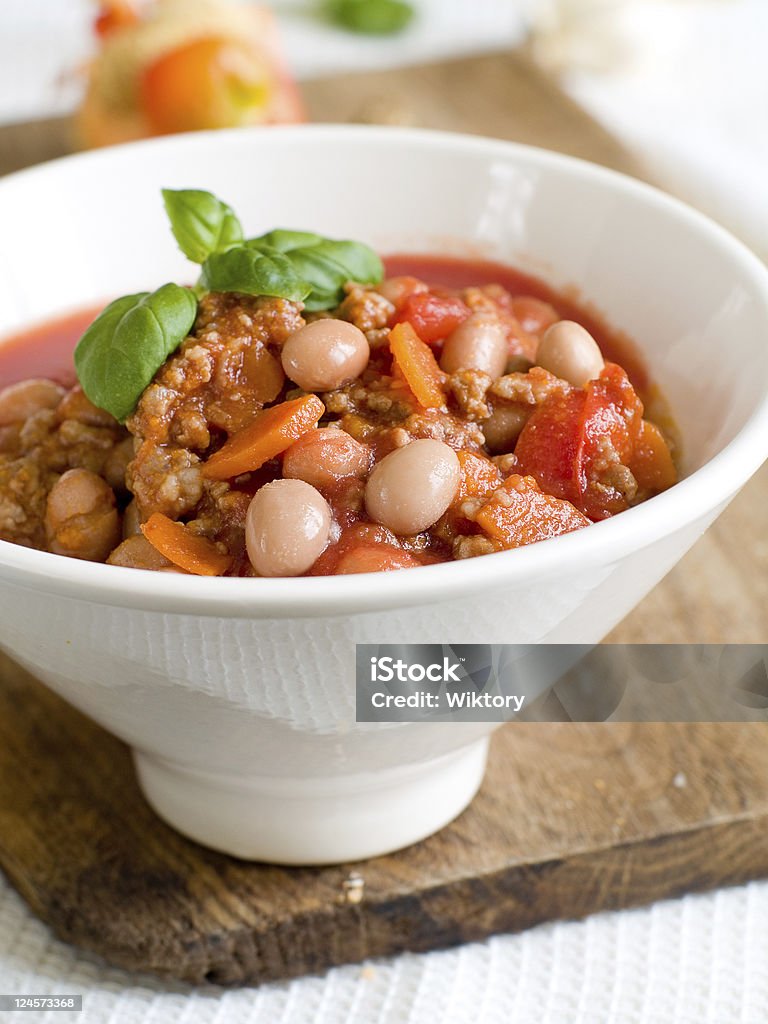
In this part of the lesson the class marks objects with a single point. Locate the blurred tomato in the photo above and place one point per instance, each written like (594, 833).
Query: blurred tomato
(114, 15)
(208, 83)
(168, 66)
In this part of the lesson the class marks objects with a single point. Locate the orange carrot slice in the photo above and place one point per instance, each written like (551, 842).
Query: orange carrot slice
(271, 433)
(525, 514)
(478, 476)
(197, 555)
(418, 365)
(651, 462)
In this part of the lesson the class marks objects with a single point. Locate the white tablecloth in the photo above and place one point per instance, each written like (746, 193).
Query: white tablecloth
(697, 960)
(694, 100)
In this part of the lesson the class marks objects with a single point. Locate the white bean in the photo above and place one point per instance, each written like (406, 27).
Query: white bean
(479, 343)
(397, 289)
(9, 438)
(81, 519)
(20, 401)
(117, 462)
(131, 520)
(570, 352)
(413, 486)
(136, 552)
(323, 456)
(75, 406)
(287, 528)
(502, 428)
(325, 354)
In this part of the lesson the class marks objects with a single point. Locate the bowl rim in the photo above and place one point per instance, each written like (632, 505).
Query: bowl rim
(704, 491)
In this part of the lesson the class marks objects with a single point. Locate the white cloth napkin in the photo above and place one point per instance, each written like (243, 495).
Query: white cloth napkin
(693, 102)
(697, 960)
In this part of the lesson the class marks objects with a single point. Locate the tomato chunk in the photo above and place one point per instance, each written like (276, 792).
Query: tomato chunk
(520, 513)
(533, 315)
(548, 446)
(613, 416)
(573, 442)
(613, 410)
(432, 316)
(375, 558)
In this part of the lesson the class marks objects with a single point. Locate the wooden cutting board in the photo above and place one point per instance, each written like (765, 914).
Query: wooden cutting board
(571, 819)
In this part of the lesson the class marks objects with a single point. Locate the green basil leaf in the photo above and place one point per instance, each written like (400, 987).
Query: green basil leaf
(373, 17)
(201, 223)
(359, 261)
(327, 264)
(128, 342)
(284, 240)
(254, 271)
(326, 277)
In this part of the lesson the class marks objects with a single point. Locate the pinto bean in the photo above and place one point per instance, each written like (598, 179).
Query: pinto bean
(81, 519)
(397, 289)
(287, 528)
(20, 401)
(117, 462)
(323, 355)
(533, 315)
(323, 456)
(502, 428)
(570, 352)
(479, 343)
(136, 552)
(131, 520)
(412, 487)
(10, 439)
(76, 406)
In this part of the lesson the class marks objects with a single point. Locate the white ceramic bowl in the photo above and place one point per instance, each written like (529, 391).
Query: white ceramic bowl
(237, 696)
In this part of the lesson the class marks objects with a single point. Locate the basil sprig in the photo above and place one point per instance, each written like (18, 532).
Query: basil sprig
(201, 223)
(325, 263)
(128, 342)
(295, 265)
(254, 271)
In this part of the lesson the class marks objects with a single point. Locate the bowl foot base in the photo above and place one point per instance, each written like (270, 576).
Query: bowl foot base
(316, 820)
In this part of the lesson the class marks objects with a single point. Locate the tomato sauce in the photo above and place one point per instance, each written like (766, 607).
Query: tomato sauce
(454, 272)
(46, 349)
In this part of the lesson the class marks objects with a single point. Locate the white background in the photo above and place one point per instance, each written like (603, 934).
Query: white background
(690, 89)
(690, 92)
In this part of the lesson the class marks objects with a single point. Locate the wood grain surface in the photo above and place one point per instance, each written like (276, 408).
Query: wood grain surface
(571, 818)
